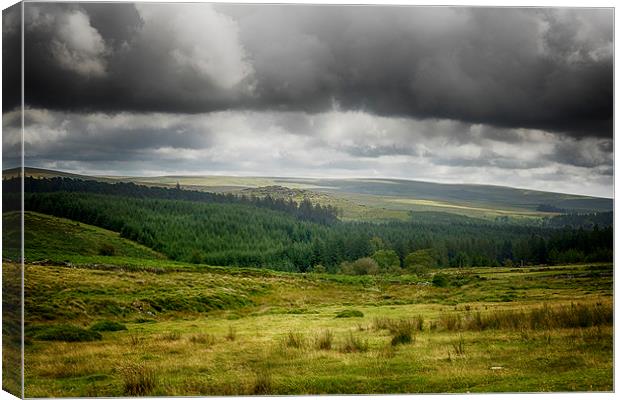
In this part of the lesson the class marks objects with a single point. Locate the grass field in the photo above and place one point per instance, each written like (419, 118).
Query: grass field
(209, 332)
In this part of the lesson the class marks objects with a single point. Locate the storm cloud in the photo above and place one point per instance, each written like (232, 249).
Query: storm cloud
(545, 69)
(449, 94)
(332, 144)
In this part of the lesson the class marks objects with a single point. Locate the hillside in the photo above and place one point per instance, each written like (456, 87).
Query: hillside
(380, 199)
(49, 238)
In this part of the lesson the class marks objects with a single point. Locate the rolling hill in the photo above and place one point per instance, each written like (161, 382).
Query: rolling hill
(59, 239)
(368, 199)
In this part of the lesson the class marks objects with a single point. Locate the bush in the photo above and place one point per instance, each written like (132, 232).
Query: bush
(350, 314)
(419, 262)
(196, 257)
(107, 250)
(319, 269)
(387, 260)
(440, 280)
(362, 266)
(137, 379)
(141, 320)
(66, 333)
(108, 326)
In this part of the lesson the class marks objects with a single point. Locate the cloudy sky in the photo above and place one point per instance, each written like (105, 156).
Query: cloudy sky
(518, 97)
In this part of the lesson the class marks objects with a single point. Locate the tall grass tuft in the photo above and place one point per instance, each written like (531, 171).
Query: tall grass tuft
(138, 380)
(354, 344)
(324, 340)
(402, 332)
(380, 323)
(171, 336)
(451, 322)
(459, 347)
(294, 339)
(420, 323)
(262, 383)
(542, 318)
(203, 338)
(232, 334)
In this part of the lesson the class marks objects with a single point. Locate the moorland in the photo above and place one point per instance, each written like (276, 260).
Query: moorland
(221, 286)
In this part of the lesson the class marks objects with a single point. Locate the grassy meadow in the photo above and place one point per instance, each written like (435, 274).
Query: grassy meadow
(212, 332)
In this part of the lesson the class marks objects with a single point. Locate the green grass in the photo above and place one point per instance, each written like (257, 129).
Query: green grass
(61, 333)
(403, 343)
(48, 238)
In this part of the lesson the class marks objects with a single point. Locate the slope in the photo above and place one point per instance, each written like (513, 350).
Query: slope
(363, 198)
(62, 240)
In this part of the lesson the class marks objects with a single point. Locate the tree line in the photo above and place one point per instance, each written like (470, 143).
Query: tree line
(304, 210)
(258, 234)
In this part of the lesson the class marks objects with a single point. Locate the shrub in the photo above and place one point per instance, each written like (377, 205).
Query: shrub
(440, 280)
(419, 262)
(66, 333)
(108, 326)
(138, 380)
(350, 314)
(107, 249)
(324, 340)
(362, 266)
(354, 344)
(144, 321)
(319, 269)
(386, 259)
(196, 257)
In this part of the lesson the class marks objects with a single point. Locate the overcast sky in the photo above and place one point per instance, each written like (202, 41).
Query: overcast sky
(517, 97)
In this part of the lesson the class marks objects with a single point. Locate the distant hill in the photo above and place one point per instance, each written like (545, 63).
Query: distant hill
(378, 198)
(475, 195)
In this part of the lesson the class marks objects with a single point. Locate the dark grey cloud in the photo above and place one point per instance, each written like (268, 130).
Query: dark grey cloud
(333, 144)
(11, 57)
(548, 69)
